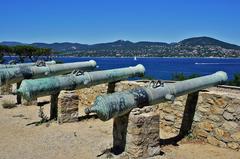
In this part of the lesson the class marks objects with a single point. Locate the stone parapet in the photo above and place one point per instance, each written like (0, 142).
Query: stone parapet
(216, 120)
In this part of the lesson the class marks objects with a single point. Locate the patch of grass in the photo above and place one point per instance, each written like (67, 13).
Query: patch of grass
(8, 104)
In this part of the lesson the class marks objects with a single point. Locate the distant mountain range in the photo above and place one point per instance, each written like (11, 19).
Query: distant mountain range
(191, 47)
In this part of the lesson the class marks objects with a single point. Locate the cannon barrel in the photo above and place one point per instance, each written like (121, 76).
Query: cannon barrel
(31, 89)
(120, 103)
(3, 66)
(17, 74)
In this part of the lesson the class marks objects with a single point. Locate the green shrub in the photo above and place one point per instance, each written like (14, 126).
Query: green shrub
(235, 81)
(59, 62)
(180, 76)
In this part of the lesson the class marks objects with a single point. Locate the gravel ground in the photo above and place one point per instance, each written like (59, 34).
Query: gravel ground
(83, 140)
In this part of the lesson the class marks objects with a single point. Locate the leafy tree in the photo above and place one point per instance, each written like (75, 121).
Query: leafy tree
(46, 52)
(24, 51)
(40, 52)
(1, 58)
(193, 76)
(30, 52)
(4, 50)
(178, 76)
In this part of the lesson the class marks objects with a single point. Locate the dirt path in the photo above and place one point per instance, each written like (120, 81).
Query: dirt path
(82, 140)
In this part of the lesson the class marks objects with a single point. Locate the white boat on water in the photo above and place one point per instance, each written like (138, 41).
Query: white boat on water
(135, 58)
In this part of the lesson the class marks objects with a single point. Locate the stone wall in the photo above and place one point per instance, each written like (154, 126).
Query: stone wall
(219, 116)
(216, 120)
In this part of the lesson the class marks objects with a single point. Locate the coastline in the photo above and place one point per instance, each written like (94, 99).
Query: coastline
(162, 67)
(148, 57)
(138, 57)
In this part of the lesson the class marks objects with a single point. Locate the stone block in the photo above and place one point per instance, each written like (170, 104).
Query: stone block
(228, 116)
(198, 132)
(197, 117)
(231, 109)
(212, 140)
(233, 145)
(68, 102)
(223, 135)
(236, 136)
(214, 118)
(6, 89)
(206, 125)
(169, 117)
(222, 144)
(203, 110)
(142, 140)
(216, 110)
(230, 126)
(216, 100)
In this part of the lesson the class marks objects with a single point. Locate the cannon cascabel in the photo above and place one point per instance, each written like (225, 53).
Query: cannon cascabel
(113, 105)
(17, 74)
(31, 89)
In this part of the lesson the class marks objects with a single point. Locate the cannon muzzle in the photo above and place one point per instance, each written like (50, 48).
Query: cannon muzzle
(120, 103)
(31, 89)
(17, 74)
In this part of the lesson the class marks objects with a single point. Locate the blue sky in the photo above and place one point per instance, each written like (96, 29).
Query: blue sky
(94, 21)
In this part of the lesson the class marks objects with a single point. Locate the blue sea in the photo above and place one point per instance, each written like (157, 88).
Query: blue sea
(164, 68)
